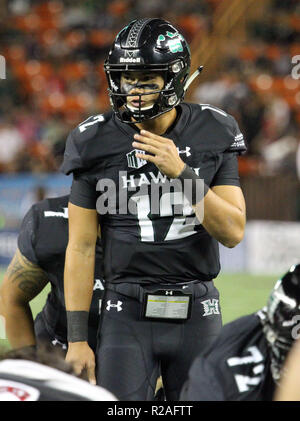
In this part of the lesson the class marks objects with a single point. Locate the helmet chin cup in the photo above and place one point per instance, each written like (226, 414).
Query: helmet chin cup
(148, 45)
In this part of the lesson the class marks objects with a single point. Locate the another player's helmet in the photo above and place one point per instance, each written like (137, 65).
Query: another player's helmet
(280, 325)
(148, 45)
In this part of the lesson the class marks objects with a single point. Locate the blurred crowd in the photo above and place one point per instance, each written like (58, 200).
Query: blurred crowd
(259, 84)
(55, 51)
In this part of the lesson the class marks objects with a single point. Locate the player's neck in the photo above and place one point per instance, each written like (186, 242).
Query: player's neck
(160, 124)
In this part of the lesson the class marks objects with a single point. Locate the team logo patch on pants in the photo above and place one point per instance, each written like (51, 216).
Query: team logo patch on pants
(211, 306)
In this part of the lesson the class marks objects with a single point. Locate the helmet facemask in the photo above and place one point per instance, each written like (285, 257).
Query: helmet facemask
(169, 95)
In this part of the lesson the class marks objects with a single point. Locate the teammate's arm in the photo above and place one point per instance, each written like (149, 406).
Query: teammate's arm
(224, 206)
(22, 282)
(78, 285)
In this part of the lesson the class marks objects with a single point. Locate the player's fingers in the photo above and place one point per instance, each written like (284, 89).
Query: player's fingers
(91, 374)
(155, 147)
(147, 148)
(149, 158)
(155, 137)
(147, 140)
(78, 367)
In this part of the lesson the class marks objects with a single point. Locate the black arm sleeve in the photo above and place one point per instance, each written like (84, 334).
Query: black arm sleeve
(83, 193)
(26, 238)
(228, 173)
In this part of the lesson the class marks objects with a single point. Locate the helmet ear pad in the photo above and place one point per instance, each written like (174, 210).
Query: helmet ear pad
(176, 82)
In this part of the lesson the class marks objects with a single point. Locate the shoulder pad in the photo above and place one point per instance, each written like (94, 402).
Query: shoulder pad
(52, 204)
(89, 127)
(77, 142)
(236, 139)
(215, 111)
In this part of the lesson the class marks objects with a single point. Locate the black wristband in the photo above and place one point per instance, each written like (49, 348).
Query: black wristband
(198, 188)
(77, 322)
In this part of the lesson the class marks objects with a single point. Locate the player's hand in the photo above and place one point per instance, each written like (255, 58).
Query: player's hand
(82, 357)
(163, 152)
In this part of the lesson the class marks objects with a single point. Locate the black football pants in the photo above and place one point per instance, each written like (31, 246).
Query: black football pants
(132, 352)
(43, 336)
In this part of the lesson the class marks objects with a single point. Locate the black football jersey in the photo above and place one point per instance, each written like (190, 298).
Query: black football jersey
(235, 368)
(25, 381)
(43, 239)
(141, 244)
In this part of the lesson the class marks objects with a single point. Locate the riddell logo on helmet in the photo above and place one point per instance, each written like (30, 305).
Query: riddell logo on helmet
(130, 60)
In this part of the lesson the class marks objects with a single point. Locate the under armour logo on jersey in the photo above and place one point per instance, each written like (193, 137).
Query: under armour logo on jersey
(168, 292)
(186, 151)
(118, 306)
(63, 214)
(133, 161)
(211, 306)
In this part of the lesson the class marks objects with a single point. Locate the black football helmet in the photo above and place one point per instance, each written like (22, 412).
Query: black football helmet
(282, 315)
(148, 45)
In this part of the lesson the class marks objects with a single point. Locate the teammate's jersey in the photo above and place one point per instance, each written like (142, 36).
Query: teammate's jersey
(43, 239)
(235, 368)
(22, 380)
(144, 239)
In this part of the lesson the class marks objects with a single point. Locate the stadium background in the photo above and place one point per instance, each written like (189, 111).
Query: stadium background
(54, 79)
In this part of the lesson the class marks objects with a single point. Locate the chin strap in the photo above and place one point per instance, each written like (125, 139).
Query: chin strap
(191, 78)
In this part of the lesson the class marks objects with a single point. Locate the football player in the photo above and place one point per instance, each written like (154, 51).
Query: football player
(129, 168)
(245, 362)
(39, 260)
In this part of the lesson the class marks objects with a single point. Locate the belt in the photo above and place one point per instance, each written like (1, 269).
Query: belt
(197, 288)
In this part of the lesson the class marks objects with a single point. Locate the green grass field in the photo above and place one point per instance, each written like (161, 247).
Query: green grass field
(240, 294)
